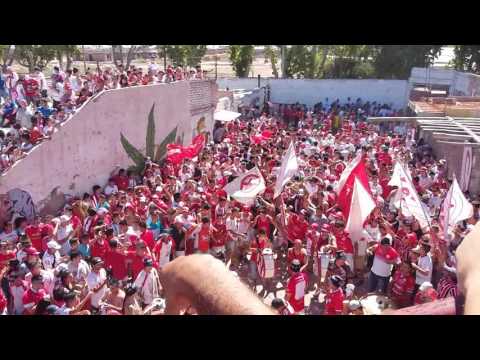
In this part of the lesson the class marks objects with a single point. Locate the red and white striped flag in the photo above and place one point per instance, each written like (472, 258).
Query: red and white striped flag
(355, 169)
(362, 204)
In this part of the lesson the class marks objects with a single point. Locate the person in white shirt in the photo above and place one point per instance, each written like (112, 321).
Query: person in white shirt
(78, 267)
(51, 257)
(424, 266)
(385, 258)
(8, 234)
(96, 282)
(148, 283)
(17, 290)
(111, 187)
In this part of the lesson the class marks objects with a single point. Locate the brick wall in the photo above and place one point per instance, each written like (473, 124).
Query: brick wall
(203, 96)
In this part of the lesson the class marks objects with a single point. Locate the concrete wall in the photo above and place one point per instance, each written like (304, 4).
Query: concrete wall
(243, 83)
(465, 84)
(87, 147)
(310, 92)
(461, 83)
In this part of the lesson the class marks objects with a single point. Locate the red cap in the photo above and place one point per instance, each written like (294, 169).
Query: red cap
(314, 226)
(31, 251)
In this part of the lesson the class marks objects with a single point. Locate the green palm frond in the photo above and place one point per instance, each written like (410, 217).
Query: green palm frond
(150, 138)
(162, 148)
(134, 154)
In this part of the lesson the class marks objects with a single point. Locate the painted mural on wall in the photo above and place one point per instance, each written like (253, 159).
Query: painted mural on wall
(19, 202)
(153, 151)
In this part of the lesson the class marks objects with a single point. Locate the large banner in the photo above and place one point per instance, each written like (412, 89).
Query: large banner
(466, 168)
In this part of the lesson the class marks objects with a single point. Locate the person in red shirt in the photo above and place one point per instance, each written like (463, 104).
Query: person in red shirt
(121, 180)
(146, 235)
(295, 291)
(99, 246)
(219, 236)
(334, 297)
(34, 295)
(297, 252)
(263, 222)
(402, 286)
(297, 226)
(203, 234)
(5, 254)
(343, 240)
(135, 259)
(35, 133)
(34, 233)
(115, 261)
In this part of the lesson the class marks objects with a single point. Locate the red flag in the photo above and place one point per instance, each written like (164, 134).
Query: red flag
(347, 180)
(176, 153)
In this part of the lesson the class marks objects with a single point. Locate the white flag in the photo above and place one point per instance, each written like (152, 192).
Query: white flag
(408, 199)
(361, 206)
(455, 208)
(246, 187)
(287, 170)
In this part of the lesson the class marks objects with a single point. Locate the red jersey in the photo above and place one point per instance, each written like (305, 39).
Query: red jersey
(147, 237)
(344, 242)
(219, 237)
(31, 87)
(296, 228)
(117, 262)
(34, 233)
(402, 285)
(302, 257)
(296, 288)
(99, 250)
(121, 182)
(5, 258)
(31, 297)
(136, 263)
(204, 239)
(263, 223)
(334, 302)
(35, 134)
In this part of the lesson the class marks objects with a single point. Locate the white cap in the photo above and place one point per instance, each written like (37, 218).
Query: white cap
(426, 285)
(52, 244)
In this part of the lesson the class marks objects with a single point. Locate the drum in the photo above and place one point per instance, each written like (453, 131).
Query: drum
(266, 266)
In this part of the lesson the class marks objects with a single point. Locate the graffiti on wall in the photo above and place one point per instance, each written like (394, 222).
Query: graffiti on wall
(18, 202)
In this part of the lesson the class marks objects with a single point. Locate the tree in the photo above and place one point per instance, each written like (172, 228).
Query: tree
(118, 57)
(31, 56)
(271, 54)
(467, 58)
(241, 57)
(305, 61)
(7, 53)
(69, 51)
(181, 55)
(396, 61)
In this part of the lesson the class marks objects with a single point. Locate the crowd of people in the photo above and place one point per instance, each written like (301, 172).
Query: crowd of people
(105, 251)
(32, 108)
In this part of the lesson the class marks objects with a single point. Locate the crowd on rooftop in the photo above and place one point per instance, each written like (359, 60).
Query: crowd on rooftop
(32, 107)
